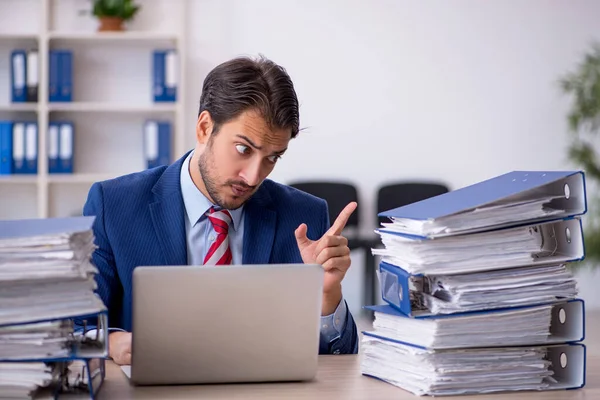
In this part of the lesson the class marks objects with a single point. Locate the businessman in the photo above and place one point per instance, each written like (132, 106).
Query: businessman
(214, 206)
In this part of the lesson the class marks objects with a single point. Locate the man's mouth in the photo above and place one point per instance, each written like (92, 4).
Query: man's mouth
(239, 190)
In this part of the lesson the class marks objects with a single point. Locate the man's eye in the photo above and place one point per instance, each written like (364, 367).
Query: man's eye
(241, 148)
(273, 159)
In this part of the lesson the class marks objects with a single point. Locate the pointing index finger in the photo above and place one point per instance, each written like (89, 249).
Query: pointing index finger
(342, 219)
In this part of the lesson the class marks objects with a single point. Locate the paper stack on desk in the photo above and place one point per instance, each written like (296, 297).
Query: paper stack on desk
(479, 297)
(46, 284)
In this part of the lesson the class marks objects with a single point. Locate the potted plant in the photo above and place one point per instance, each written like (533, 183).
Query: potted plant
(583, 87)
(112, 13)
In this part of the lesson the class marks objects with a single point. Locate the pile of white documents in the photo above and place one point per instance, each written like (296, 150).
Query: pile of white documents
(46, 281)
(478, 296)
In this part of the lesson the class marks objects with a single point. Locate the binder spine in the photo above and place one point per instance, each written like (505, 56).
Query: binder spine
(158, 72)
(395, 289)
(164, 143)
(31, 148)
(32, 76)
(18, 74)
(568, 364)
(66, 141)
(18, 149)
(65, 83)
(53, 142)
(53, 76)
(6, 147)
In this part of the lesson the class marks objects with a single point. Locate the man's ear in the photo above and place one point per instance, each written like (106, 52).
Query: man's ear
(204, 127)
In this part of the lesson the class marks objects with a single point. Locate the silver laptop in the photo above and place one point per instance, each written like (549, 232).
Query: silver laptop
(218, 324)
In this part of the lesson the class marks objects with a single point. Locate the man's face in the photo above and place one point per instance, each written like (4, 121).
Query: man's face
(238, 158)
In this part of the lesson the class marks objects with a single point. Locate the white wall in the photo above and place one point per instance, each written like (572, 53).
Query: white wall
(454, 91)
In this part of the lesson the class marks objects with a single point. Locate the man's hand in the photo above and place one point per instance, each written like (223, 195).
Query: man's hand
(119, 347)
(332, 252)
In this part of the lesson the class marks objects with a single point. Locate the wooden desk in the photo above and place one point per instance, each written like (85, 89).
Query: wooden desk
(338, 378)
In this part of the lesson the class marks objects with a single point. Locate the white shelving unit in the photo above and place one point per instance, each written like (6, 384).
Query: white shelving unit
(111, 96)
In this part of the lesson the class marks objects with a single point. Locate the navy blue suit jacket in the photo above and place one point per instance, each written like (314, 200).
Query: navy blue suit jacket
(140, 220)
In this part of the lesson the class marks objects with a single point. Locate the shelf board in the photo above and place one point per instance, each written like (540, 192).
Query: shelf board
(112, 107)
(18, 179)
(82, 178)
(125, 36)
(18, 36)
(19, 107)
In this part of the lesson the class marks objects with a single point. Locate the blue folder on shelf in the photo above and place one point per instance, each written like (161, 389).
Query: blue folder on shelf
(6, 147)
(518, 197)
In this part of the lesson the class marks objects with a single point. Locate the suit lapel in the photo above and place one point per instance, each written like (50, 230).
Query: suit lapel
(259, 228)
(168, 215)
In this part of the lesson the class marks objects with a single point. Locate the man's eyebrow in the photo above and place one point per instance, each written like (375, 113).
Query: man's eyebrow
(250, 142)
(257, 147)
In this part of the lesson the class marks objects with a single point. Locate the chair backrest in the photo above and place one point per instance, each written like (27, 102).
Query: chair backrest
(336, 194)
(400, 194)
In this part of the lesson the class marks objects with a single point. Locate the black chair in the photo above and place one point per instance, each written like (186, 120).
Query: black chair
(401, 194)
(391, 196)
(337, 195)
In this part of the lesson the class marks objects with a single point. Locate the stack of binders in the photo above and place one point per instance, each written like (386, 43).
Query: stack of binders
(478, 295)
(18, 147)
(46, 294)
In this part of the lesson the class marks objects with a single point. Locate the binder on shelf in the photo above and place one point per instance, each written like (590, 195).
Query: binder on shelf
(473, 371)
(32, 76)
(517, 197)
(53, 145)
(65, 80)
(54, 76)
(157, 143)
(18, 76)
(6, 147)
(18, 150)
(31, 147)
(553, 323)
(165, 75)
(65, 154)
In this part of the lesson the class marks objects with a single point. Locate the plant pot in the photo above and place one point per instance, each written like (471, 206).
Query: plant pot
(110, 24)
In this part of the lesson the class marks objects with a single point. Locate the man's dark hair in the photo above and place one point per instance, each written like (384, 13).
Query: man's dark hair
(243, 84)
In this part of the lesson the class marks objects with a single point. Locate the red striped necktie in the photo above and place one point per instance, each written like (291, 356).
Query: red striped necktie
(219, 252)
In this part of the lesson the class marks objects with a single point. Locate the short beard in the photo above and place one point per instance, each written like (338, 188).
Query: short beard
(206, 165)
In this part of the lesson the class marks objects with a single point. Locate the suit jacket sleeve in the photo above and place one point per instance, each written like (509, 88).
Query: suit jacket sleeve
(107, 279)
(347, 343)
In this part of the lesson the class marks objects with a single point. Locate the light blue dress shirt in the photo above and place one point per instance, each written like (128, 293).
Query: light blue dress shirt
(200, 235)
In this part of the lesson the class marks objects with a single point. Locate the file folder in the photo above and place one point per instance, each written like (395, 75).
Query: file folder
(31, 148)
(54, 76)
(157, 143)
(18, 75)
(53, 142)
(518, 197)
(553, 323)
(549, 242)
(65, 75)
(32, 76)
(18, 150)
(482, 370)
(6, 145)
(165, 75)
(66, 140)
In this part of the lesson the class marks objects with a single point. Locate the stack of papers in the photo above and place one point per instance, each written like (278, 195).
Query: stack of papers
(446, 294)
(28, 380)
(453, 372)
(46, 280)
(479, 218)
(479, 296)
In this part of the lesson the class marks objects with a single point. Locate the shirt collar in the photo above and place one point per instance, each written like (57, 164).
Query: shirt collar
(196, 204)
